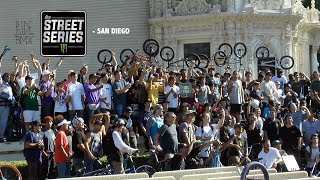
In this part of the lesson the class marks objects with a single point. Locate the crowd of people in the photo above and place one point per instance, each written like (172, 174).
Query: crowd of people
(191, 118)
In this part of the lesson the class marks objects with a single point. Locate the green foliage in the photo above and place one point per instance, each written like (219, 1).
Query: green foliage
(307, 3)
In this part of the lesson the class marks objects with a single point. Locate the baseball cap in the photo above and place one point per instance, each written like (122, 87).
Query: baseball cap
(107, 64)
(63, 122)
(103, 74)
(118, 122)
(279, 71)
(278, 82)
(84, 66)
(48, 118)
(77, 121)
(93, 75)
(190, 112)
(45, 72)
(113, 117)
(157, 107)
(70, 71)
(148, 100)
(276, 142)
(36, 123)
(268, 74)
(185, 104)
(128, 109)
(314, 135)
(28, 77)
(98, 122)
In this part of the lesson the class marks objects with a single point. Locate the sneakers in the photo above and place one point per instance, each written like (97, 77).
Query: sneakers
(3, 140)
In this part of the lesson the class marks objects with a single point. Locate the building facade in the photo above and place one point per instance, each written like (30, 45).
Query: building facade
(285, 27)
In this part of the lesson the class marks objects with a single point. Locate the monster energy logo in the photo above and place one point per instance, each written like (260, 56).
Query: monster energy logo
(63, 48)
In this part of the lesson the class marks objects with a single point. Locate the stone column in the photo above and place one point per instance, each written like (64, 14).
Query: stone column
(314, 58)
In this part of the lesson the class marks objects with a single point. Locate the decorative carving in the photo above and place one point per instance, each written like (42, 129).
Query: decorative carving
(313, 13)
(193, 7)
(266, 4)
(298, 7)
(158, 9)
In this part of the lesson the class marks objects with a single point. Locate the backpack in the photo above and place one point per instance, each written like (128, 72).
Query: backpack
(107, 142)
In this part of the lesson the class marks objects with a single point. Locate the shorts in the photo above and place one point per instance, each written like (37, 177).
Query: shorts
(235, 108)
(30, 116)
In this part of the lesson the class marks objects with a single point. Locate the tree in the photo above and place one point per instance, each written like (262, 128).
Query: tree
(307, 3)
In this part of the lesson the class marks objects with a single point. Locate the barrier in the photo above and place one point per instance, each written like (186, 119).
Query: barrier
(222, 174)
(158, 178)
(178, 174)
(113, 177)
(274, 176)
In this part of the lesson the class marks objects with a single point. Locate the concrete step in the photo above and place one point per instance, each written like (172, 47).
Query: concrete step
(11, 147)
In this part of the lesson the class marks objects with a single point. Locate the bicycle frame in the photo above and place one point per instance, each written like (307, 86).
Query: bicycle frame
(180, 60)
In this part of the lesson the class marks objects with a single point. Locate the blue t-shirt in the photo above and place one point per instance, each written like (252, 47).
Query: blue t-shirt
(33, 154)
(119, 98)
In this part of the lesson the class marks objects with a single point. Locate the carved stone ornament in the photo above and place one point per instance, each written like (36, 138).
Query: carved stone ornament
(193, 7)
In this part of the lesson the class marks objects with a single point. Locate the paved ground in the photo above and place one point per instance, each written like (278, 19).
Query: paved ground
(11, 151)
(17, 156)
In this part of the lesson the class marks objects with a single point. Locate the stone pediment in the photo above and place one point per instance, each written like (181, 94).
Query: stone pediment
(192, 7)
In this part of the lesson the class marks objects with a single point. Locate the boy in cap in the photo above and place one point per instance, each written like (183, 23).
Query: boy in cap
(48, 140)
(30, 102)
(33, 149)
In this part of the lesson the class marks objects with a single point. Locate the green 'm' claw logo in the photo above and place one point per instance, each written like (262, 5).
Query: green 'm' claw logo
(63, 48)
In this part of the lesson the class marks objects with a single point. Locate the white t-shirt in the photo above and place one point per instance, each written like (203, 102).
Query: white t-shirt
(268, 88)
(173, 97)
(60, 105)
(106, 92)
(283, 80)
(269, 158)
(315, 153)
(76, 91)
(206, 132)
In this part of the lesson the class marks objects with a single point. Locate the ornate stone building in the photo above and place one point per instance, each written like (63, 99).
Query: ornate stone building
(285, 27)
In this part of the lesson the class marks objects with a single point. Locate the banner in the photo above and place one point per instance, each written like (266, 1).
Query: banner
(63, 33)
(185, 90)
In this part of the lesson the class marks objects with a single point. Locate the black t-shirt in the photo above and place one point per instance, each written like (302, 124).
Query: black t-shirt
(254, 94)
(78, 137)
(253, 136)
(289, 138)
(272, 128)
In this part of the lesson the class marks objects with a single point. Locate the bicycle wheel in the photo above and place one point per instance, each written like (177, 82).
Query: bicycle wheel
(104, 56)
(286, 62)
(151, 47)
(226, 48)
(125, 55)
(9, 172)
(240, 50)
(203, 61)
(262, 52)
(192, 57)
(146, 169)
(220, 58)
(167, 53)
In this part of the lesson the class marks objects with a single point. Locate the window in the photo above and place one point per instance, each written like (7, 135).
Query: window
(198, 48)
